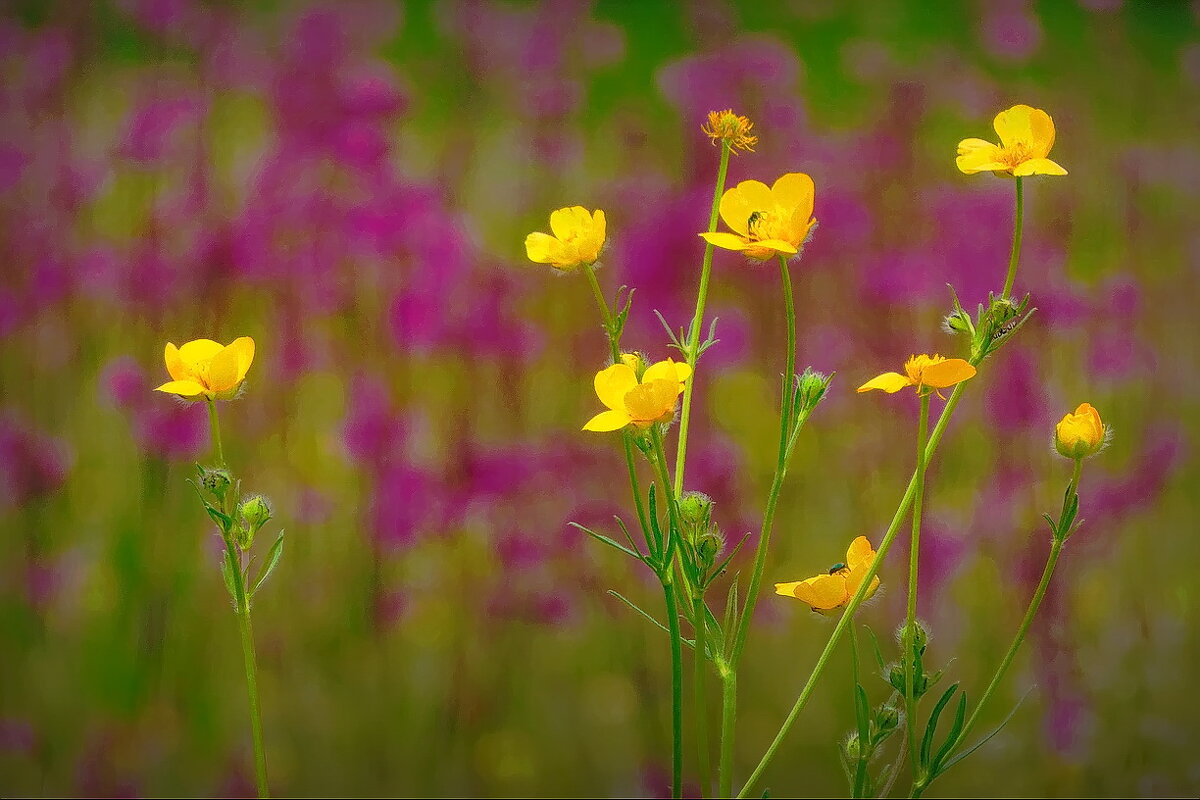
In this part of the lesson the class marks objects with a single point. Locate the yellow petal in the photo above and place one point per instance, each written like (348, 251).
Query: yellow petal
(859, 550)
(795, 191)
(741, 201)
(777, 246)
(542, 248)
(599, 225)
(728, 241)
(613, 384)
(890, 382)
(787, 589)
(244, 347)
(652, 400)
(199, 351)
(223, 370)
(976, 155)
(1026, 125)
(855, 578)
(946, 373)
(175, 366)
(824, 592)
(1038, 166)
(667, 370)
(181, 388)
(607, 421)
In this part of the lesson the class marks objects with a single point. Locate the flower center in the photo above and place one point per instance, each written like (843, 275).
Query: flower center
(763, 225)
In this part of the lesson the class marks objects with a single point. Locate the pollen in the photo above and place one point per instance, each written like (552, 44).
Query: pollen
(731, 128)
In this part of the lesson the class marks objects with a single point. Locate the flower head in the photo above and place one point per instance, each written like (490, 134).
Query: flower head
(1026, 136)
(578, 238)
(729, 127)
(206, 369)
(935, 372)
(834, 588)
(635, 399)
(767, 221)
(1081, 434)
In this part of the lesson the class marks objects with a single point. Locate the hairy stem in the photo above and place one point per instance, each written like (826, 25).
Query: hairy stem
(910, 619)
(214, 424)
(701, 673)
(1015, 256)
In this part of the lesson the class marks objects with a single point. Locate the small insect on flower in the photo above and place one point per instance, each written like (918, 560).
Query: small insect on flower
(204, 369)
(731, 128)
(1026, 136)
(767, 221)
(578, 239)
(638, 400)
(833, 589)
(1081, 434)
(924, 372)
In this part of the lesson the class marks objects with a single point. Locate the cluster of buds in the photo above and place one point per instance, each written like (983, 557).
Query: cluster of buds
(239, 520)
(992, 326)
(699, 531)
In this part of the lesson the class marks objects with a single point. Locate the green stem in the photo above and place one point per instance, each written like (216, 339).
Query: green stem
(860, 766)
(214, 424)
(1014, 257)
(910, 620)
(901, 512)
(693, 343)
(1039, 594)
(728, 719)
(260, 755)
(668, 583)
(701, 673)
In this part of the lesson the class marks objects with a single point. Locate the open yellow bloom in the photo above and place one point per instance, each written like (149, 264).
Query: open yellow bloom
(578, 238)
(833, 589)
(206, 369)
(933, 371)
(642, 402)
(730, 127)
(767, 221)
(1080, 434)
(1026, 136)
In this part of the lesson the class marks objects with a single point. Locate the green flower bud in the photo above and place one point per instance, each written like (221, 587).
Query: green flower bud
(216, 481)
(255, 511)
(810, 388)
(710, 546)
(887, 717)
(852, 748)
(695, 509)
(958, 323)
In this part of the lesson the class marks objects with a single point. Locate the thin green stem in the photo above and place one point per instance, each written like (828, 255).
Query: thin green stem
(668, 583)
(701, 673)
(910, 620)
(260, 755)
(1015, 256)
(893, 528)
(693, 342)
(214, 424)
(610, 333)
(860, 766)
(728, 720)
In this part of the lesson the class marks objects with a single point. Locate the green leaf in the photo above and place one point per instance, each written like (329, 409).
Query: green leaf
(632, 544)
(987, 738)
(731, 615)
(224, 522)
(654, 528)
(273, 556)
(931, 727)
(600, 537)
(862, 714)
(875, 647)
(720, 568)
(689, 642)
(960, 714)
(227, 574)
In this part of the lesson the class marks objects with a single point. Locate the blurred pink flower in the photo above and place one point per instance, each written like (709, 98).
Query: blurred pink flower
(32, 463)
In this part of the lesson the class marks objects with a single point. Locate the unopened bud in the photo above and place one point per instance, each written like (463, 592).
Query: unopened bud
(852, 748)
(255, 512)
(216, 481)
(810, 388)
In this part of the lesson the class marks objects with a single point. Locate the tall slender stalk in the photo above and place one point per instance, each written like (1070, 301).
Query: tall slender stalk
(910, 620)
(660, 462)
(242, 600)
(693, 342)
(745, 619)
(700, 663)
(1015, 255)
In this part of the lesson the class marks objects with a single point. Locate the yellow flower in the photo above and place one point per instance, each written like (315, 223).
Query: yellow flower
(204, 368)
(1026, 136)
(578, 238)
(933, 371)
(730, 127)
(640, 400)
(833, 589)
(767, 221)
(1080, 434)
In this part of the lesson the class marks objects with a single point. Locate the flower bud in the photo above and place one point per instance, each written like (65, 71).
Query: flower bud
(958, 323)
(255, 512)
(635, 362)
(695, 510)
(216, 481)
(810, 388)
(887, 717)
(710, 545)
(1080, 434)
(851, 747)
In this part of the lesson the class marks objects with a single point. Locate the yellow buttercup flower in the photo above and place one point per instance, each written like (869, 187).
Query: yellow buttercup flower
(578, 238)
(1026, 136)
(730, 127)
(206, 369)
(767, 221)
(1080, 434)
(833, 589)
(933, 371)
(638, 400)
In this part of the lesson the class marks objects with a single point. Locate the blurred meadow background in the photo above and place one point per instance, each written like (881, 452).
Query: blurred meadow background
(351, 183)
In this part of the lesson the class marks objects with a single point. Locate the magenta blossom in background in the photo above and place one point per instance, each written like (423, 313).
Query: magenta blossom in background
(163, 426)
(32, 463)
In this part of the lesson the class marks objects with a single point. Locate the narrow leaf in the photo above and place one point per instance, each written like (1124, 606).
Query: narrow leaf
(227, 574)
(632, 544)
(987, 738)
(931, 728)
(875, 648)
(862, 713)
(720, 568)
(689, 642)
(960, 715)
(273, 556)
(600, 537)
(731, 615)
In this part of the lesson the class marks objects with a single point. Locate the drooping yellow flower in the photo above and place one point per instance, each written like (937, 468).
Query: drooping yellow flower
(206, 369)
(1080, 434)
(730, 127)
(578, 238)
(767, 221)
(638, 401)
(833, 589)
(1026, 136)
(935, 372)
